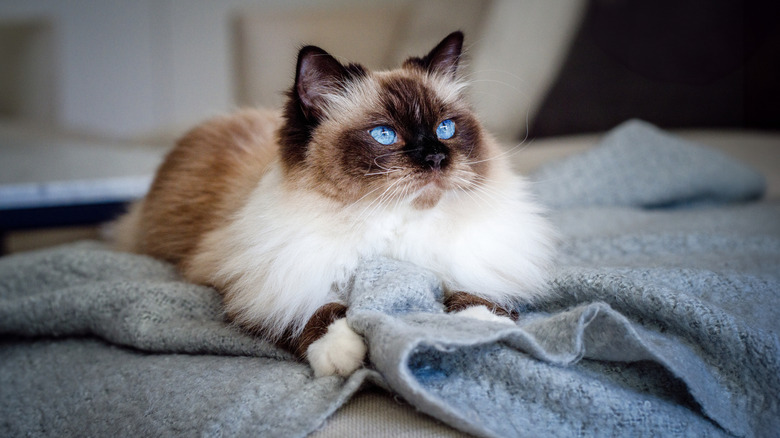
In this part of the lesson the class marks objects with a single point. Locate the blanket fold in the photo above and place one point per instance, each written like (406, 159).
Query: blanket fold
(639, 165)
(663, 322)
(458, 369)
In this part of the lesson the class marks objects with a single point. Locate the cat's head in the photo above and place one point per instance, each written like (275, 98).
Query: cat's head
(404, 134)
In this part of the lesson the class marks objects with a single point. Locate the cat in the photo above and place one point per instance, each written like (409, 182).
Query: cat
(275, 209)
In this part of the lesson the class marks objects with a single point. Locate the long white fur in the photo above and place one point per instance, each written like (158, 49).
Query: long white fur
(482, 313)
(287, 251)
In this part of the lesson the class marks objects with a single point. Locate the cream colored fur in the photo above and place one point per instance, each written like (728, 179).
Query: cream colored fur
(287, 252)
(280, 227)
(482, 313)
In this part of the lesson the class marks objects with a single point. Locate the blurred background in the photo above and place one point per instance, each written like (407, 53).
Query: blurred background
(92, 93)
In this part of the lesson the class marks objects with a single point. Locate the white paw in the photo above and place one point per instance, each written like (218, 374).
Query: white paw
(483, 314)
(340, 351)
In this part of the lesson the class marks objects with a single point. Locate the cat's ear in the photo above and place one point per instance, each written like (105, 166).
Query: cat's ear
(317, 74)
(445, 56)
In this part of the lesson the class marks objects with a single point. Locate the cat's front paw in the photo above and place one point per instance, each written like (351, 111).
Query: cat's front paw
(339, 351)
(482, 313)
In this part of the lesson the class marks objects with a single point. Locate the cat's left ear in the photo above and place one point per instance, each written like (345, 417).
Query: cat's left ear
(317, 75)
(445, 56)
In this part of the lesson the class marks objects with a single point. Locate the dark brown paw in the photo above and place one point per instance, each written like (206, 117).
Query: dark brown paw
(459, 301)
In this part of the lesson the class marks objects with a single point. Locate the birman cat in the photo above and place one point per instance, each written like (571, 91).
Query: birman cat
(276, 209)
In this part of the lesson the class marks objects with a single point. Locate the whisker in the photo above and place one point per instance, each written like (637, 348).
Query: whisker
(370, 204)
(491, 195)
(396, 194)
(362, 197)
(374, 205)
(390, 154)
(462, 190)
(484, 192)
(387, 169)
(385, 172)
(401, 192)
(404, 191)
(516, 149)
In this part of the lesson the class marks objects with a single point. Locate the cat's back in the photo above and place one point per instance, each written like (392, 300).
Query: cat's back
(204, 180)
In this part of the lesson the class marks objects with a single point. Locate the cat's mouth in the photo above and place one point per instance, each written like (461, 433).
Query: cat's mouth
(428, 196)
(426, 189)
(431, 189)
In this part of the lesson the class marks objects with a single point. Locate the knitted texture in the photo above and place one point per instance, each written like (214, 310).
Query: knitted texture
(639, 165)
(79, 324)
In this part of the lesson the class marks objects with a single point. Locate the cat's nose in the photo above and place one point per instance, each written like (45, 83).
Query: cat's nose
(435, 160)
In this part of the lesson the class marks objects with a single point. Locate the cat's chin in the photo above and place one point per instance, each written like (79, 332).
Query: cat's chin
(428, 196)
(431, 190)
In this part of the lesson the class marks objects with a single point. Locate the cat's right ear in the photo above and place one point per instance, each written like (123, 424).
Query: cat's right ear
(443, 59)
(445, 56)
(317, 75)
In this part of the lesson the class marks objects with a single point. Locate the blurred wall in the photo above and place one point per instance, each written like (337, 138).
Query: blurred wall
(129, 68)
(142, 68)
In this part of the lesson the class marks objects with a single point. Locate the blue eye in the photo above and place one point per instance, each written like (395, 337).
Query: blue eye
(445, 130)
(383, 135)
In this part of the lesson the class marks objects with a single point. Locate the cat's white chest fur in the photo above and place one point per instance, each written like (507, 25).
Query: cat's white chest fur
(285, 252)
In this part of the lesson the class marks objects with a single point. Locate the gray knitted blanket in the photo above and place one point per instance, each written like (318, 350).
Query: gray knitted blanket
(663, 323)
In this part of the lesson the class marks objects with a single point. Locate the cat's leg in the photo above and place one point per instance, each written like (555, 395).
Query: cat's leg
(466, 304)
(328, 343)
